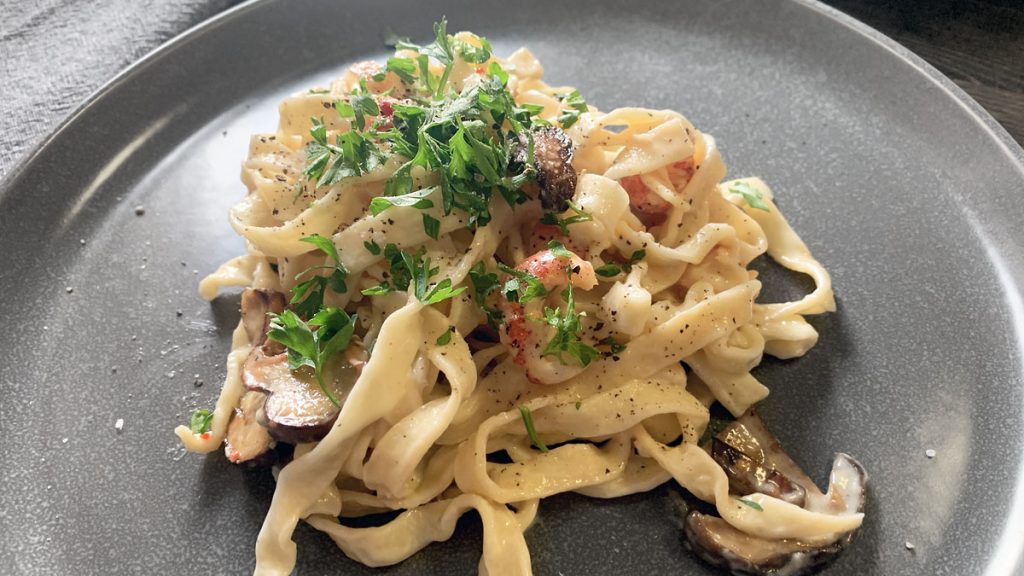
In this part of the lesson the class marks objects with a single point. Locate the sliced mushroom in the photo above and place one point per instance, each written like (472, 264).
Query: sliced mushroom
(246, 440)
(552, 157)
(256, 304)
(296, 409)
(753, 457)
(747, 476)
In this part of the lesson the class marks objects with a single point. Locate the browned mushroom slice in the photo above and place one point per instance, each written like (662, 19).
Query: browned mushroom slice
(746, 446)
(747, 476)
(552, 157)
(296, 409)
(716, 542)
(246, 440)
(256, 304)
(749, 435)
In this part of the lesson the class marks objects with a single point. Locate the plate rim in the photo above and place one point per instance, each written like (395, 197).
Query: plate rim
(1007, 552)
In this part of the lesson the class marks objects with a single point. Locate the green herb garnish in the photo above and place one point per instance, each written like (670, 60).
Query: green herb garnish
(608, 270)
(372, 247)
(576, 107)
(351, 155)
(483, 284)
(752, 196)
(307, 347)
(201, 421)
(563, 224)
(445, 338)
(751, 503)
(528, 423)
(522, 287)
(308, 295)
(413, 269)
(416, 199)
(633, 259)
(567, 328)
(614, 347)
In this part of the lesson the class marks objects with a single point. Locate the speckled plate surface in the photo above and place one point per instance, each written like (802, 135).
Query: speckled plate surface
(901, 185)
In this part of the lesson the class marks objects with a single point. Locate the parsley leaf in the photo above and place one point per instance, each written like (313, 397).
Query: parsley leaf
(558, 249)
(416, 199)
(471, 53)
(567, 327)
(308, 295)
(752, 196)
(413, 269)
(608, 270)
(552, 219)
(201, 421)
(445, 338)
(404, 68)
(522, 287)
(483, 284)
(431, 225)
(524, 412)
(372, 247)
(351, 155)
(614, 347)
(751, 503)
(307, 347)
(576, 107)
(633, 259)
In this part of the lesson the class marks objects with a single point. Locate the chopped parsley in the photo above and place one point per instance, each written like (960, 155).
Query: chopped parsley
(566, 340)
(559, 249)
(483, 284)
(445, 338)
(752, 196)
(614, 347)
(308, 295)
(611, 270)
(576, 107)
(413, 270)
(372, 247)
(313, 348)
(522, 286)
(351, 155)
(563, 224)
(633, 259)
(416, 199)
(751, 503)
(201, 421)
(528, 423)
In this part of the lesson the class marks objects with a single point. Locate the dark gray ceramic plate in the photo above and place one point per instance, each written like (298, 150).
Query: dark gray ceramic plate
(902, 186)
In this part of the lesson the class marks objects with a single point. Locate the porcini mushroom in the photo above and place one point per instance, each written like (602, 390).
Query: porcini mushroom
(552, 158)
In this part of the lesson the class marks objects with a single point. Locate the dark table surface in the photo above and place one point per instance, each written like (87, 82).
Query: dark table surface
(54, 53)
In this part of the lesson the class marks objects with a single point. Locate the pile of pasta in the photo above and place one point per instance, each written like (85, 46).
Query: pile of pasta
(417, 427)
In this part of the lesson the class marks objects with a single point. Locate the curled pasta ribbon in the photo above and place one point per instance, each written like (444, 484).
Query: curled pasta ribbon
(230, 394)
(698, 473)
(505, 550)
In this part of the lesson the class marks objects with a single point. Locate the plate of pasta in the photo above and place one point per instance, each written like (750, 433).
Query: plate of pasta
(559, 290)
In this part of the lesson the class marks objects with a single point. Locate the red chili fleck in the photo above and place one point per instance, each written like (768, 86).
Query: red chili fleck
(205, 435)
(385, 108)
